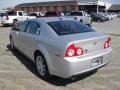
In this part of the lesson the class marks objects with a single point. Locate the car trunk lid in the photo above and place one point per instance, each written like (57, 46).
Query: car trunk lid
(90, 42)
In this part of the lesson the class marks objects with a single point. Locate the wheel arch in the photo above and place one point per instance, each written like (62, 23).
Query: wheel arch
(47, 57)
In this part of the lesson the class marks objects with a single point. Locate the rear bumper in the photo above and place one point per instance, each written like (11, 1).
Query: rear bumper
(77, 65)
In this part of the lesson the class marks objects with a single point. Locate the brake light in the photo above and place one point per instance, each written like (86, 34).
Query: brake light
(107, 43)
(73, 51)
(7, 18)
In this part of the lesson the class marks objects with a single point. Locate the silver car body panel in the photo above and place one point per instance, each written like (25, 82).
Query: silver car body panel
(53, 48)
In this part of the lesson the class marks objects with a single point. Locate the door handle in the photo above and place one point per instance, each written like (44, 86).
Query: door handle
(33, 39)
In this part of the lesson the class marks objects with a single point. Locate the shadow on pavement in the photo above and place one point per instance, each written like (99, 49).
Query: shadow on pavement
(54, 80)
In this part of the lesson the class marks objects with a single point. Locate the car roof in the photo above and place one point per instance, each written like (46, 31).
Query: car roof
(52, 19)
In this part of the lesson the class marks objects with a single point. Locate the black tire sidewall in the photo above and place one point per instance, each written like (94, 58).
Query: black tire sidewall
(47, 75)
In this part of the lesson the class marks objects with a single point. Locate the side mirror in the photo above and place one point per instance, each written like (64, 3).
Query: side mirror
(15, 27)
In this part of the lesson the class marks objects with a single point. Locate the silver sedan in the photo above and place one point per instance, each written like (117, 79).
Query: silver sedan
(64, 48)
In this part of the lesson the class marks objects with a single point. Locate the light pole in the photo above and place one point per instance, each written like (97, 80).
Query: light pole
(97, 7)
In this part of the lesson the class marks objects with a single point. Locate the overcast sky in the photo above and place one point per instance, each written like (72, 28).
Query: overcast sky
(12, 3)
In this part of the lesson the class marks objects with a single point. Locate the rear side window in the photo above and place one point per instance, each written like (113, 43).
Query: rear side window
(69, 27)
(33, 28)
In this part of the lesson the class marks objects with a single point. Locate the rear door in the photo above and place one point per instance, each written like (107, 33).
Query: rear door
(31, 38)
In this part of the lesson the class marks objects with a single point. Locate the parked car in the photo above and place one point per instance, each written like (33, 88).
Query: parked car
(98, 17)
(81, 16)
(118, 15)
(1, 15)
(13, 17)
(114, 14)
(64, 48)
(108, 16)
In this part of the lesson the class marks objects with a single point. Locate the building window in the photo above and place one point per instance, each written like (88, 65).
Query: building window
(44, 9)
(72, 7)
(51, 8)
(40, 8)
(64, 8)
(22, 8)
(34, 9)
(28, 9)
(79, 8)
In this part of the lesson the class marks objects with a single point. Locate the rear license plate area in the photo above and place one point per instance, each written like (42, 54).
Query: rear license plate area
(97, 61)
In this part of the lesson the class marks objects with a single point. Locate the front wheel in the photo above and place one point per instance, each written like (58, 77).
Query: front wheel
(90, 24)
(41, 66)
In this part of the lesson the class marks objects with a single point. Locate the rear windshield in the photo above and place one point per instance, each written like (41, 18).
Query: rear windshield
(69, 27)
(76, 13)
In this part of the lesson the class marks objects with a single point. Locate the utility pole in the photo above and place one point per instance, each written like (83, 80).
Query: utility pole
(97, 8)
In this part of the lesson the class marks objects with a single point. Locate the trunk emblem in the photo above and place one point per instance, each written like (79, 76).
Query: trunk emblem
(86, 51)
(95, 42)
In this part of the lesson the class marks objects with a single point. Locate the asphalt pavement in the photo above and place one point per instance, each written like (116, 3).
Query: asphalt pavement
(110, 27)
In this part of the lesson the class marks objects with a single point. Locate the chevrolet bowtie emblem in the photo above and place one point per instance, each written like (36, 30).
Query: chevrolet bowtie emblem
(95, 42)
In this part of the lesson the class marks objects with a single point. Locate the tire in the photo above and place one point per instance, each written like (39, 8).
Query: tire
(41, 66)
(90, 25)
(12, 44)
(6, 25)
(99, 20)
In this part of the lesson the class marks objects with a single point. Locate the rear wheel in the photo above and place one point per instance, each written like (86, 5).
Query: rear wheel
(5, 25)
(41, 65)
(99, 20)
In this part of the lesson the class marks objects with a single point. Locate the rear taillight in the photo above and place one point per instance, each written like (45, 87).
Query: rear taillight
(7, 18)
(107, 43)
(73, 51)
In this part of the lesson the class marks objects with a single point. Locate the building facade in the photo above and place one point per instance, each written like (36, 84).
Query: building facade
(66, 5)
(114, 8)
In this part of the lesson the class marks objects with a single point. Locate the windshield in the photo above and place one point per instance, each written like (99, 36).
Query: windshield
(68, 27)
